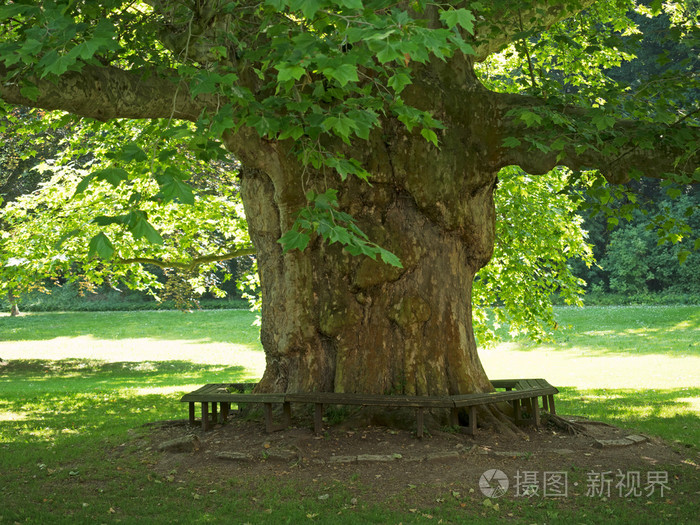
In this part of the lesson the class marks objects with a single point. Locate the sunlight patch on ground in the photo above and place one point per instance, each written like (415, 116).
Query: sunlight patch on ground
(12, 416)
(162, 390)
(576, 369)
(692, 402)
(601, 332)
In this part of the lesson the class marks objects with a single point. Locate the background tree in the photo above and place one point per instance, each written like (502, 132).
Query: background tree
(59, 229)
(317, 97)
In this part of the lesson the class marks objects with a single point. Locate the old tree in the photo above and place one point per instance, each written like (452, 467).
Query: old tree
(370, 148)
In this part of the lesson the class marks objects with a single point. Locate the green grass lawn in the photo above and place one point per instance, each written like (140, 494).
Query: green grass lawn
(77, 384)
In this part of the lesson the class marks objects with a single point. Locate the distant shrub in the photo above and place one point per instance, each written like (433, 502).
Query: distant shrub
(68, 298)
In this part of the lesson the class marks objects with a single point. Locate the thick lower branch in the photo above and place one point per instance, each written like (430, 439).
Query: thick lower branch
(652, 150)
(108, 92)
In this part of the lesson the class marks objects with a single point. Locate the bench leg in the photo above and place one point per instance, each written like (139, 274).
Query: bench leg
(191, 413)
(214, 413)
(225, 409)
(518, 410)
(535, 411)
(268, 417)
(454, 417)
(286, 414)
(420, 420)
(205, 416)
(545, 404)
(551, 404)
(318, 417)
(472, 421)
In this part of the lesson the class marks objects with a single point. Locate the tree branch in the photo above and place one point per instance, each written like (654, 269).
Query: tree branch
(194, 263)
(653, 150)
(108, 92)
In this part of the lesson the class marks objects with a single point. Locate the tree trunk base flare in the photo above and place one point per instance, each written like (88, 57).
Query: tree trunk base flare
(498, 419)
(14, 311)
(490, 418)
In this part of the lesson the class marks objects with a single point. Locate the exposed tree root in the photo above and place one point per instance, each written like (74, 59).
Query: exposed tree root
(494, 418)
(572, 427)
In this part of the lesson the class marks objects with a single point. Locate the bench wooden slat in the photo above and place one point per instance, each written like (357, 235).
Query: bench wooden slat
(504, 383)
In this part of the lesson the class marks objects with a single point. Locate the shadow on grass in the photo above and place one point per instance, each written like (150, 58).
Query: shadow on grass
(91, 374)
(73, 400)
(671, 414)
(213, 326)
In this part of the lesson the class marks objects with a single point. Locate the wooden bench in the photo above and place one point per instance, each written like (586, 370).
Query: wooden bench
(522, 393)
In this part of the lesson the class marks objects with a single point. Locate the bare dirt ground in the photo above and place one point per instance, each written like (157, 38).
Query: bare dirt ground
(388, 462)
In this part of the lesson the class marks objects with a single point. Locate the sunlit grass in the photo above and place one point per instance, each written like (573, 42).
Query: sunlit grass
(609, 347)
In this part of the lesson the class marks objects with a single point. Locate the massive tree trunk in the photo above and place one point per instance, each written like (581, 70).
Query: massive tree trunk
(334, 322)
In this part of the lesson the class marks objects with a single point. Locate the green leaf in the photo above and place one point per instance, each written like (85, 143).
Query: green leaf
(398, 81)
(56, 64)
(113, 176)
(530, 118)
(430, 136)
(83, 184)
(30, 91)
(294, 240)
(308, 7)
(390, 258)
(132, 152)
(100, 245)
(602, 121)
(511, 142)
(461, 17)
(65, 237)
(141, 228)
(351, 4)
(344, 74)
(13, 10)
(673, 193)
(172, 188)
(266, 127)
(294, 132)
(289, 71)
(105, 220)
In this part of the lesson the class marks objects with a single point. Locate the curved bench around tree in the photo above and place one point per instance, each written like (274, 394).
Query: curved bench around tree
(523, 394)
